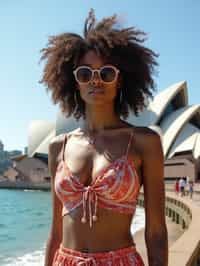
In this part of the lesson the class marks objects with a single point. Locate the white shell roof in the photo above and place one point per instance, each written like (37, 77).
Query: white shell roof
(173, 124)
(161, 100)
(185, 140)
(39, 135)
(196, 152)
(156, 108)
(43, 147)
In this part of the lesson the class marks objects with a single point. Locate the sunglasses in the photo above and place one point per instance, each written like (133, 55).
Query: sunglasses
(107, 74)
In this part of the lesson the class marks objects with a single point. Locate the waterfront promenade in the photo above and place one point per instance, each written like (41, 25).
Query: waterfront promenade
(176, 233)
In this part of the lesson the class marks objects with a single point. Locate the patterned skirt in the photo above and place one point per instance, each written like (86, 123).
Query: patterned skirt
(121, 257)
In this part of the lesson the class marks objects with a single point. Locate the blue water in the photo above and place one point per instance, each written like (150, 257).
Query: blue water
(25, 217)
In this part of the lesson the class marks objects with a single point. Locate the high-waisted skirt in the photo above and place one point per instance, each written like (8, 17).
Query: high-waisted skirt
(120, 257)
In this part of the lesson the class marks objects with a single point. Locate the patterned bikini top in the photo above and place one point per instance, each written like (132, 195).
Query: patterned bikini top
(116, 188)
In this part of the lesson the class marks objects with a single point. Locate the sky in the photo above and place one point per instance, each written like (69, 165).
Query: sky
(173, 32)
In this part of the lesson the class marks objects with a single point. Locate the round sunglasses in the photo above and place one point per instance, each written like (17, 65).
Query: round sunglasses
(107, 74)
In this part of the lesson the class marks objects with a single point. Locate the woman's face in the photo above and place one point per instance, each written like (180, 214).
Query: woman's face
(96, 91)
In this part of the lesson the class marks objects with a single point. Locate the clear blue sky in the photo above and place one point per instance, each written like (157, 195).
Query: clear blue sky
(172, 26)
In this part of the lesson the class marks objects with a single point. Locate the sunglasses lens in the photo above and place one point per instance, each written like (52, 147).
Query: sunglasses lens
(84, 75)
(108, 74)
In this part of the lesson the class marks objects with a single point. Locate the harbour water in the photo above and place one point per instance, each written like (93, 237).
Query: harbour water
(25, 217)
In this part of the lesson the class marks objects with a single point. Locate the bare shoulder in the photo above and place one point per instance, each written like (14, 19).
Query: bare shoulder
(55, 147)
(56, 142)
(147, 140)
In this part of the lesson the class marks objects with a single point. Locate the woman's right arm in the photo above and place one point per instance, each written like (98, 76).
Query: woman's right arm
(55, 236)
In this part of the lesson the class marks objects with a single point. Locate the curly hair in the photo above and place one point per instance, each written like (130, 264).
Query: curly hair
(120, 46)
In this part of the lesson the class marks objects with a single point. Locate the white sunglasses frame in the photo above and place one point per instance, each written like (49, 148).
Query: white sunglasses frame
(98, 71)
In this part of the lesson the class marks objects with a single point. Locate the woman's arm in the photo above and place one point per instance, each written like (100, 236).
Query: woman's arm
(154, 199)
(55, 236)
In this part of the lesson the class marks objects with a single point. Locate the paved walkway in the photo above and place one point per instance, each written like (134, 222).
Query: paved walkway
(196, 199)
(196, 195)
(174, 231)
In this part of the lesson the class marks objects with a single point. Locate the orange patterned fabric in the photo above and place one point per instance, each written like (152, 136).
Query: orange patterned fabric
(116, 188)
(121, 257)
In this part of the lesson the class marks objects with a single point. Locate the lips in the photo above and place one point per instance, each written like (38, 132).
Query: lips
(96, 91)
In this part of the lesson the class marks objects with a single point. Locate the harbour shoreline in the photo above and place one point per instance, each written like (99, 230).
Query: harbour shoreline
(25, 185)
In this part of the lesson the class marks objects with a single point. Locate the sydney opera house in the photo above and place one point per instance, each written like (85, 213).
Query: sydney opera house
(176, 121)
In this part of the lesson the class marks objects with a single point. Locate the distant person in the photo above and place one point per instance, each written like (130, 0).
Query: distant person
(177, 187)
(191, 188)
(187, 180)
(182, 185)
(98, 169)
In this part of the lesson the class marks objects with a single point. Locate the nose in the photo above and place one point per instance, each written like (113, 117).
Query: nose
(96, 78)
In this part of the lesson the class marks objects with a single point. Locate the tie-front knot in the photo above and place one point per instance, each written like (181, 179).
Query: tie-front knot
(88, 189)
(89, 194)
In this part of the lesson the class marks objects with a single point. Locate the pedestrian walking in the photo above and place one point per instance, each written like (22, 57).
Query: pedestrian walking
(191, 188)
(182, 185)
(176, 187)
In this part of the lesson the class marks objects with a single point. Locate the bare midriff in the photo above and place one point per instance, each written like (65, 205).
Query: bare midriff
(110, 232)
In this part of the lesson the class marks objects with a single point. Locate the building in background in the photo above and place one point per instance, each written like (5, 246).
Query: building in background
(5, 158)
(31, 170)
(26, 172)
(1, 146)
(11, 175)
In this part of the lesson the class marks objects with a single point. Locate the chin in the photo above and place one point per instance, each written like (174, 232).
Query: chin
(100, 102)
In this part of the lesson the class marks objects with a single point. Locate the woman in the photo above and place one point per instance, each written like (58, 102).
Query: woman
(177, 187)
(97, 170)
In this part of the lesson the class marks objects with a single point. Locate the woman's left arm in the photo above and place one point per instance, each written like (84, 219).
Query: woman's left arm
(154, 199)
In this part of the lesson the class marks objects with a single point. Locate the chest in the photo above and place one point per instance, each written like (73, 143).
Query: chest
(87, 162)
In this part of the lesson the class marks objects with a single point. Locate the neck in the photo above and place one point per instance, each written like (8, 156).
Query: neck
(101, 118)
